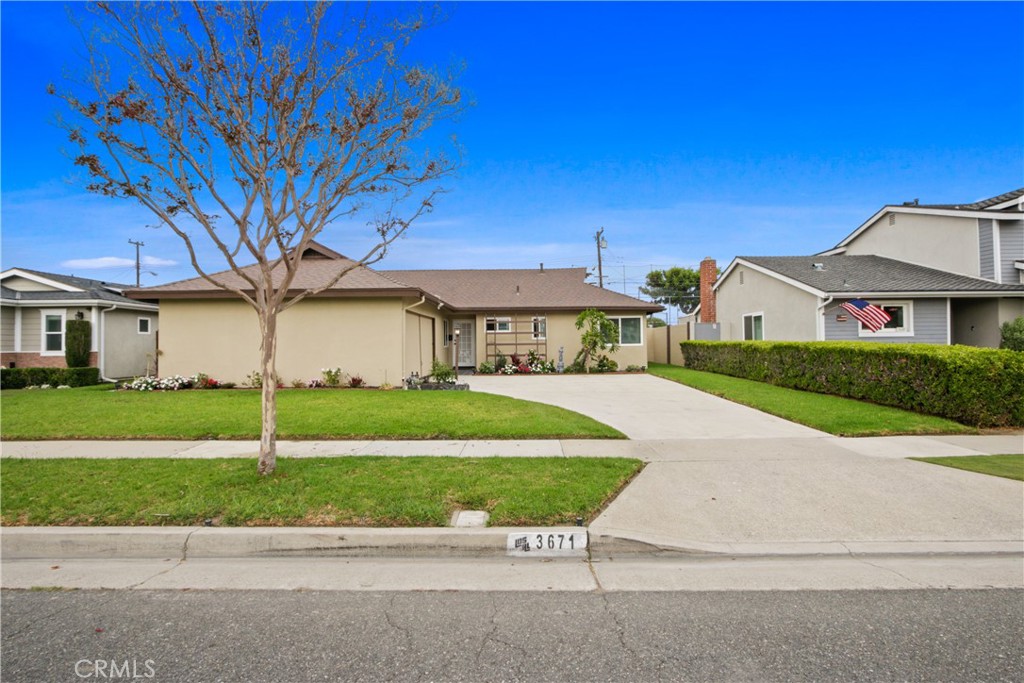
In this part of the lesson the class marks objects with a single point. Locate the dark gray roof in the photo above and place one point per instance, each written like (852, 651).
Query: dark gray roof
(980, 205)
(865, 274)
(92, 290)
(80, 282)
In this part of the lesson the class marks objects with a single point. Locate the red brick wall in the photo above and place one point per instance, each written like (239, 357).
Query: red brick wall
(708, 276)
(35, 360)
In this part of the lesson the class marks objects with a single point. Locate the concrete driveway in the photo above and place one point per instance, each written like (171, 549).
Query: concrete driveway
(644, 407)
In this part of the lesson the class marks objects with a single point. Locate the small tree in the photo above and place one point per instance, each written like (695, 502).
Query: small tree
(674, 287)
(1012, 333)
(250, 128)
(77, 342)
(599, 333)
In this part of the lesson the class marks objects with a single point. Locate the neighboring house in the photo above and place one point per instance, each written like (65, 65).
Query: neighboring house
(35, 307)
(946, 274)
(386, 325)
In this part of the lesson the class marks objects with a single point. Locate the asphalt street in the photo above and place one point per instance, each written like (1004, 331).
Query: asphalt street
(924, 635)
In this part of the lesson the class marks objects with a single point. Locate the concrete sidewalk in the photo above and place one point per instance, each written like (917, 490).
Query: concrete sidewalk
(780, 496)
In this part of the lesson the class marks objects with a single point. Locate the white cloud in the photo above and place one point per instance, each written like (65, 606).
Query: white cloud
(98, 263)
(114, 262)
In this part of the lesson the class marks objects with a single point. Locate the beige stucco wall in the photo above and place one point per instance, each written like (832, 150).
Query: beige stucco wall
(790, 314)
(943, 242)
(126, 353)
(561, 333)
(1010, 309)
(221, 338)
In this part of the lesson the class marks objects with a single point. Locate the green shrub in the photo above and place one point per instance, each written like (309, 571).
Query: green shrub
(975, 386)
(442, 372)
(1013, 335)
(19, 378)
(77, 341)
(487, 368)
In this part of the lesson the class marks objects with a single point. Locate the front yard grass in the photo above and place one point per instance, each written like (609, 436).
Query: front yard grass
(832, 414)
(102, 413)
(343, 491)
(1009, 466)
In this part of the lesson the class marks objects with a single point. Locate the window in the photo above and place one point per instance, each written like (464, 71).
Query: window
(540, 327)
(53, 333)
(753, 327)
(498, 324)
(144, 326)
(630, 330)
(446, 333)
(901, 323)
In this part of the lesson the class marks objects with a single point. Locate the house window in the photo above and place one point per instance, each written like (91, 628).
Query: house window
(498, 324)
(446, 333)
(901, 321)
(753, 327)
(53, 333)
(630, 331)
(540, 327)
(144, 326)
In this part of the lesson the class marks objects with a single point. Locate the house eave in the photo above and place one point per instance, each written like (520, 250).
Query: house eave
(79, 303)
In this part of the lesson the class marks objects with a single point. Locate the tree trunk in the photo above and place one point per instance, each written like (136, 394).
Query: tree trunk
(268, 404)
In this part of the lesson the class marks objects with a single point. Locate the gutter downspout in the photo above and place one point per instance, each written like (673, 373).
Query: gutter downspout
(820, 322)
(103, 342)
(405, 333)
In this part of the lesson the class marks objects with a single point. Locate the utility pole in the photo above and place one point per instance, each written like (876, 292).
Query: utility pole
(601, 244)
(138, 262)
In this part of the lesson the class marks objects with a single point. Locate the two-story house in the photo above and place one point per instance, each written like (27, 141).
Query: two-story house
(945, 274)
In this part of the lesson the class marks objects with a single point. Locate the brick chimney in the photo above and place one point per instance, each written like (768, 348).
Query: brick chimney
(708, 276)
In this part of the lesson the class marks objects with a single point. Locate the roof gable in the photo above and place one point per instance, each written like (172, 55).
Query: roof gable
(840, 275)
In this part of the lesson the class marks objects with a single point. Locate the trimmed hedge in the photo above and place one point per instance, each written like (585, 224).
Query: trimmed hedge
(19, 378)
(974, 386)
(77, 340)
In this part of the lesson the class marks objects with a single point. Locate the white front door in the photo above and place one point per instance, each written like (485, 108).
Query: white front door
(466, 330)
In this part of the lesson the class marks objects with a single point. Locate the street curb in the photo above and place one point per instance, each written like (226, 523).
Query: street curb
(18, 543)
(23, 543)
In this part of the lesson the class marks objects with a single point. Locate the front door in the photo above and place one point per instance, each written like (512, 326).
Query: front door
(467, 344)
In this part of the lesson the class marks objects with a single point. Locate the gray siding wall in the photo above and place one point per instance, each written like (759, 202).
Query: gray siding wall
(1011, 248)
(126, 351)
(7, 329)
(929, 324)
(986, 249)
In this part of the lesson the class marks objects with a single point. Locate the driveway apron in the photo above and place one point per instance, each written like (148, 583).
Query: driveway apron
(644, 406)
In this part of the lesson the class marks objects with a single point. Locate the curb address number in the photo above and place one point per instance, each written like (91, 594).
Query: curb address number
(547, 542)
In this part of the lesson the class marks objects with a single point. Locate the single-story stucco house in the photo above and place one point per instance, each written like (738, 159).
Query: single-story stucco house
(945, 273)
(385, 325)
(34, 310)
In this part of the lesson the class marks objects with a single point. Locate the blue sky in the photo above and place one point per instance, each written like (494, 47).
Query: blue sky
(684, 129)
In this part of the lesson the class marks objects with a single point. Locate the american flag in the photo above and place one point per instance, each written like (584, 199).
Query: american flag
(873, 317)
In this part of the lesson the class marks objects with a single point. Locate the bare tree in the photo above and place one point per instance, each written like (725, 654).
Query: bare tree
(252, 127)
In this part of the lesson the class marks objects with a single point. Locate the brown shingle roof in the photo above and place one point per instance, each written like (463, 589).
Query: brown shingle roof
(312, 273)
(536, 290)
(463, 290)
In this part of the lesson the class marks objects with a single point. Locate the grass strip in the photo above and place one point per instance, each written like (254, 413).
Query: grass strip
(342, 491)
(832, 414)
(102, 413)
(1009, 466)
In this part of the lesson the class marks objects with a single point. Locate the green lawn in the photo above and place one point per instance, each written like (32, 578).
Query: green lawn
(344, 491)
(832, 414)
(101, 413)
(1009, 466)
